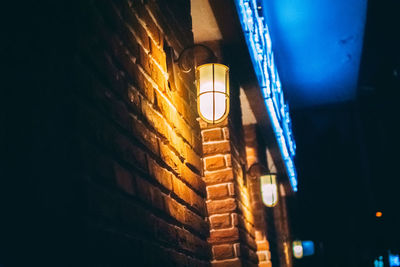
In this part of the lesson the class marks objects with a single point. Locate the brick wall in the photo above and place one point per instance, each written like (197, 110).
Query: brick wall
(140, 138)
(122, 185)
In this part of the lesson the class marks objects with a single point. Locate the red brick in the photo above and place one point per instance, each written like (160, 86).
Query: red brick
(197, 144)
(214, 163)
(183, 128)
(174, 209)
(124, 179)
(219, 221)
(168, 25)
(216, 148)
(157, 198)
(134, 24)
(259, 235)
(181, 190)
(151, 69)
(134, 98)
(224, 235)
(198, 203)
(251, 152)
(151, 26)
(113, 140)
(147, 137)
(221, 206)
(160, 174)
(246, 252)
(192, 243)
(144, 189)
(129, 152)
(165, 231)
(169, 157)
(262, 256)
(181, 90)
(228, 160)
(220, 176)
(143, 84)
(217, 191)
(263, 245)
(158, 55)
(193, 179)
(192, 158)
(185, 110)
(212, 135)
(129, 214)
(226, 133)
(120, 26)
(221, 252)
(196, 222)
(165, 107)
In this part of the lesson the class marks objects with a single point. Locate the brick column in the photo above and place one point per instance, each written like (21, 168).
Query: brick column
(229, 211)
(253, 149)
(221, 202)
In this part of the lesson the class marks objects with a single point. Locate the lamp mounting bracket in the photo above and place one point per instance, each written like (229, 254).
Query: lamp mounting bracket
(187, 63)
(258, 169)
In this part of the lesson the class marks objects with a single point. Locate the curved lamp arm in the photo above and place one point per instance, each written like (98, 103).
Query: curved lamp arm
(183, 54)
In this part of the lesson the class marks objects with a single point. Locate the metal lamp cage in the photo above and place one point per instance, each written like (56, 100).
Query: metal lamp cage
(212, 82)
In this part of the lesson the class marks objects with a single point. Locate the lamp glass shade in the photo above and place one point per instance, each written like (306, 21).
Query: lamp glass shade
(212, 92)
(297, 249)
(269, 190)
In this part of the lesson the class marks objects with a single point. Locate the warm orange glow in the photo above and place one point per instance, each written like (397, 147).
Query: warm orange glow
(212, 92)
(378, 214)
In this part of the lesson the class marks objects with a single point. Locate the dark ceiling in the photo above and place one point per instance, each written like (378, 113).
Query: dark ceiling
(317, 47)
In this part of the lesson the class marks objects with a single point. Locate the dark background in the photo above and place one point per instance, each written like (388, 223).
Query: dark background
(348, 157)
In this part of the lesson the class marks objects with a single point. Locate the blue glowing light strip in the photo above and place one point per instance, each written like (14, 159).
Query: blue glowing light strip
(260, 46)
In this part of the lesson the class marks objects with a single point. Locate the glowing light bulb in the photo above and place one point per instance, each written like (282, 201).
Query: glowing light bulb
(212, 92)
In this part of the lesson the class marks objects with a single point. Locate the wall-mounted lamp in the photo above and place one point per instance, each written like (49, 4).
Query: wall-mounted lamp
(269, 190)
(212, 82)
(268, 184)
(297, 249)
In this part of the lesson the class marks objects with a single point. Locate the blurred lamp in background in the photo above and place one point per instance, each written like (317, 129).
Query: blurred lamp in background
(379, 262)
(297, 249)
(269, 190)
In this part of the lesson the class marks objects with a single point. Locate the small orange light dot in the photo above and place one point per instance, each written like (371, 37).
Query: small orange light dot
(378, 214)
